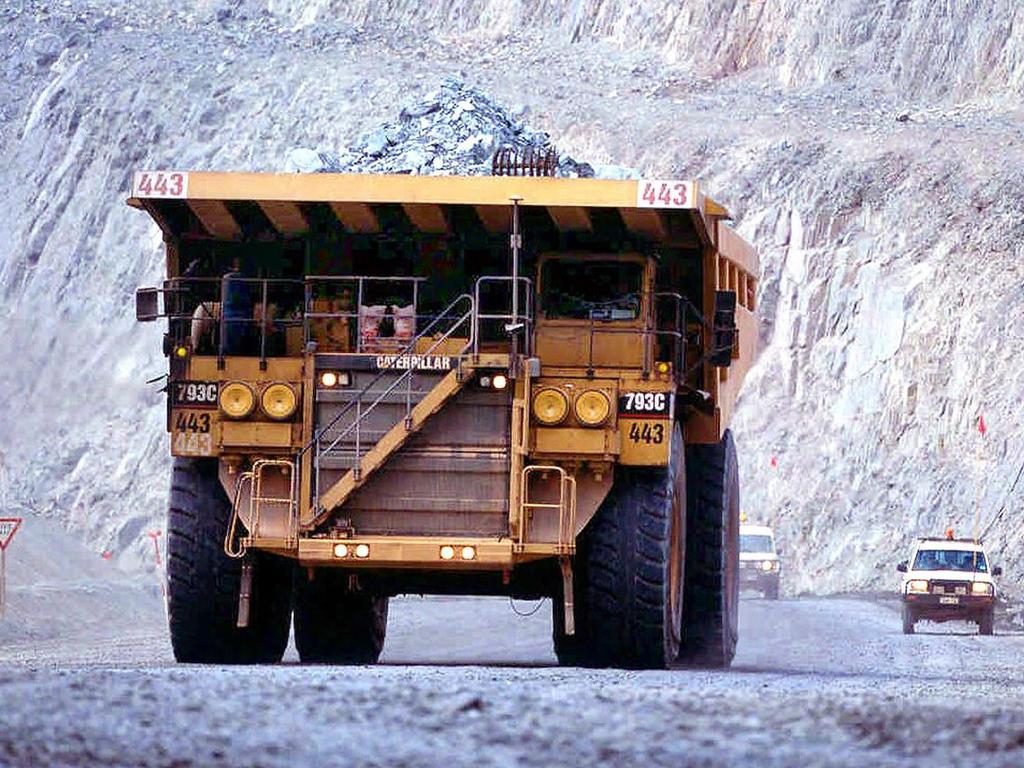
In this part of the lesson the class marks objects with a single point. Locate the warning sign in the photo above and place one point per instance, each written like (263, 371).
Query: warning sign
(8, 527)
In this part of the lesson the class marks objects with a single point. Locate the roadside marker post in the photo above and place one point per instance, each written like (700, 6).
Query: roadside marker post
(161, 574)
(8, 527)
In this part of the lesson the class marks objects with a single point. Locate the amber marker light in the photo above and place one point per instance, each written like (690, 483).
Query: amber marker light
(181, 351)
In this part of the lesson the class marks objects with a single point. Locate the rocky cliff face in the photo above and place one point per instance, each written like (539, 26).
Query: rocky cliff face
(871, 150)
(946, 49)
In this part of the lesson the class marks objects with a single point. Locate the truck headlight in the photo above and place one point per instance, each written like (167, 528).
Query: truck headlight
(592, 408)
(278, 401)
(767, 565)
(981, 588)
(237, 400)
(917, 585)
(550, 406)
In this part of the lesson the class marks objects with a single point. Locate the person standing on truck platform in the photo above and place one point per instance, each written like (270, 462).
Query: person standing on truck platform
(238, 310)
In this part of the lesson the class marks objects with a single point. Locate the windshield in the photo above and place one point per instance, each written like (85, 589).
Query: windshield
(755, 542)
(950, 560)
(591, 290)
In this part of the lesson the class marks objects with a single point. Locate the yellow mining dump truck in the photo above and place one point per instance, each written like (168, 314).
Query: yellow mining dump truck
(504, 385)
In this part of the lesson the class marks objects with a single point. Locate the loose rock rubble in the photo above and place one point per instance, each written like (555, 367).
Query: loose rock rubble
(455, 130)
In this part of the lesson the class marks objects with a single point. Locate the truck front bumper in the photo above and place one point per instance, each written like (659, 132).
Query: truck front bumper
(942, 608)
(422, 553)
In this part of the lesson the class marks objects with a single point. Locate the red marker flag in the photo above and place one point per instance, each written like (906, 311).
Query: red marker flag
(775, 462)
(981, 425)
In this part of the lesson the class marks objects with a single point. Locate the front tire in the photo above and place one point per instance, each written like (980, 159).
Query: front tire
(203, 583)
(771, 592)
(986, 624)
(628, 582)
(334, 625)
(711, 613)
(908, 620)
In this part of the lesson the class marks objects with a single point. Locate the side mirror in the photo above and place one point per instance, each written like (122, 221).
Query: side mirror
(723, 332)
(147, 304)
(902, 567)
(997, 571)
(778, 551)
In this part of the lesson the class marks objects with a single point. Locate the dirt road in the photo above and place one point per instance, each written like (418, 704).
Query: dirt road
(816, 682)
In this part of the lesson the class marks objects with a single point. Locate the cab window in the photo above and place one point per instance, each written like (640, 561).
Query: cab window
(591, 290)
(755, 542)
(950, 560)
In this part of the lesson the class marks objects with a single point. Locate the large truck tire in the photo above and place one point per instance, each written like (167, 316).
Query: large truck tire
(335, 626)
(771, 592)
(629, 579)
(203, 583)
(711, 601)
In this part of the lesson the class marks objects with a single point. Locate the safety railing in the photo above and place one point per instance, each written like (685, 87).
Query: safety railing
(566, 506)
(650, 329)
(233, 315)
(515, 322)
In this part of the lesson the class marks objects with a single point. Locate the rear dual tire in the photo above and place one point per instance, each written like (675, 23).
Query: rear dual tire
(712, 595)
(334, 625)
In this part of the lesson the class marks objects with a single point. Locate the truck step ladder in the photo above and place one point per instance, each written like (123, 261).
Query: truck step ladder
(394, 438)
(462, 314)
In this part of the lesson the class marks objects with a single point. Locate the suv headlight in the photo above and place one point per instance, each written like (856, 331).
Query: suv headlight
(981, 588)
(917, 585)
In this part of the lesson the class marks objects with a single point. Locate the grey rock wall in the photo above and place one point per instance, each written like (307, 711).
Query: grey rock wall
(872, 151)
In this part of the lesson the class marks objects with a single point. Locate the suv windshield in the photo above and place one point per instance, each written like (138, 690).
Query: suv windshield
(591, 290)
(755, 542)
(950, 560)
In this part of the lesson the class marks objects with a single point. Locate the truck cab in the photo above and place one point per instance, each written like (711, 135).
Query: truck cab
(948, 579)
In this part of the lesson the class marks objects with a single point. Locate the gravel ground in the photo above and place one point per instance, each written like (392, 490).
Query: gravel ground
(816, 682)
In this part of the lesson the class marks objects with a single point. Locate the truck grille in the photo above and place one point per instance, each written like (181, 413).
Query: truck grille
(949, 587)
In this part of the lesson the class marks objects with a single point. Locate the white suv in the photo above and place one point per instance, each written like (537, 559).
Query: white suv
(760, 566)
(948, 579)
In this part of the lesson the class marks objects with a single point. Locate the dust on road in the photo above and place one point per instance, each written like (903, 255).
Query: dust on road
(467, 681)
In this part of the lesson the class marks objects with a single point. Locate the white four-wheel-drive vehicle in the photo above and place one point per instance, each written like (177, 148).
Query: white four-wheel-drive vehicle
(759, 560)
(948, 579)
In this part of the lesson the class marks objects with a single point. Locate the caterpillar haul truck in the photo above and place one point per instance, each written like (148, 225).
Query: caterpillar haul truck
(508, 385)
